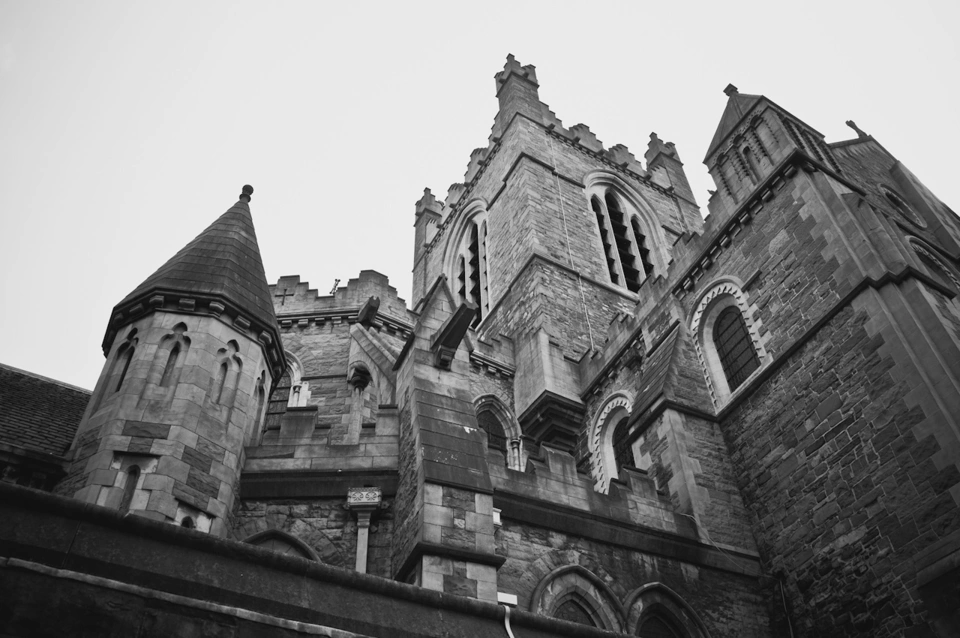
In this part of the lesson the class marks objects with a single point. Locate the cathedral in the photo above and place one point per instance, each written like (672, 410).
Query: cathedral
(601, 412)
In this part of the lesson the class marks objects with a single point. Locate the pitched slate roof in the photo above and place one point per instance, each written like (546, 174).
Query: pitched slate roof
(38, 413)
(224, 261)
(738, 105)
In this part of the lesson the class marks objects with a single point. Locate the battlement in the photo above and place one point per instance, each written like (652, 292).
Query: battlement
(512, 67)
(293, 297)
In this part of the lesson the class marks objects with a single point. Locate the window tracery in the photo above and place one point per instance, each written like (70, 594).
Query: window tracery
(632, 243)
(471, 262)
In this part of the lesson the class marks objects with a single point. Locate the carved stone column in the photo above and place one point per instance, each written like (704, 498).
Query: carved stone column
(364, 501)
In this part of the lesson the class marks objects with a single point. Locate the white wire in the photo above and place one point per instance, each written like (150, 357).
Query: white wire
(563, 217)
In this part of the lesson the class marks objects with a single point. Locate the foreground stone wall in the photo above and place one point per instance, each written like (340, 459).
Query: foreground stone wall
(844, 489)
(72, 569)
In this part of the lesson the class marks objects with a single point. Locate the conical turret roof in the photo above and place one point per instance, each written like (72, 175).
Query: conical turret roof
(738, 105)
(222, 261)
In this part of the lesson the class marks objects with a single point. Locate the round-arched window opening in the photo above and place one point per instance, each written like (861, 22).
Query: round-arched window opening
(734, 346)
(902, 208)
(188, 522)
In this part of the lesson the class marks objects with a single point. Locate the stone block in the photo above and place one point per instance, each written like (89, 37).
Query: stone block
(163, 503)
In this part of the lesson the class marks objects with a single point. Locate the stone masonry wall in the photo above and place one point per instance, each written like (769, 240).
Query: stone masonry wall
(323, 524)
(842, 491)
(730, 605)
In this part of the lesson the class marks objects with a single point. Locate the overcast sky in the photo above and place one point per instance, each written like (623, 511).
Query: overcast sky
(127, 127)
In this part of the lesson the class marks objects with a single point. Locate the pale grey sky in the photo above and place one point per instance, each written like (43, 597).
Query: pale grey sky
(127, 127)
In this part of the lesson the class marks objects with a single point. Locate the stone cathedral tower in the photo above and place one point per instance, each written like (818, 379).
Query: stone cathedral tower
(600, 414)
(191, 355)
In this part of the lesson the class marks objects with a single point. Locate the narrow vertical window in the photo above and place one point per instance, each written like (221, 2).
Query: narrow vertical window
(496, 438)
(126, 358)
(462, 279)
(751, 163)
(622, 452)
(484, 273)
(219, 382)
(133, 476)
(605, 240)
(261, 398)
(473, 255)
(642, 249)
(167, 378)
(631, 275)
(735, 347)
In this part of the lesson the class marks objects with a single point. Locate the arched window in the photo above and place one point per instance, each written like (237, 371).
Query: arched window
(112, 381)
(734, 347)
(608, 441)
(629, 245)
(642, 248)
(607, 242)
(167, 378)
(496, 438)
(625, 248)
(219, 383)
(656, 611)
(573, 610)
(224, 389)
(129, 487)
(187, 522)
(126, 356)
(576, 594)
(502, 429)
(940, 271)
(727, 339)
(622, 451)
(752, 165)
(471, 265)
(902, 208)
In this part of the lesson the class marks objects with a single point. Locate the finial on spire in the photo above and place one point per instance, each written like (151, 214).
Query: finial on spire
(731, 90)
(247, 192)
(856, 128)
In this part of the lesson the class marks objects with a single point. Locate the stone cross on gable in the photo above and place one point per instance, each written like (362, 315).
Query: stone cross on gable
(283, 296)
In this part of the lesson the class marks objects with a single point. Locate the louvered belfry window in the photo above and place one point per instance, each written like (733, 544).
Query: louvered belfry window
(734, 347)
(631, 274)
(473, 255)
(606, 241)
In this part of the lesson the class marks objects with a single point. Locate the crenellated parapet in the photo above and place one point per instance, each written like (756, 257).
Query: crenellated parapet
(297, 304)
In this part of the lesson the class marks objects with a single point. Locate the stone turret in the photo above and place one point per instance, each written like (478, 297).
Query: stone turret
(518, 93)
(191, 354)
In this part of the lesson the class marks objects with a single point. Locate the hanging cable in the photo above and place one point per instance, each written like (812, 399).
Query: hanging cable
(566, 234)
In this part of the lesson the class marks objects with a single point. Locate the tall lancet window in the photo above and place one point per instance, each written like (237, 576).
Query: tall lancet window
(605, 240)
(735, 347)
(472, 266)
(625, 250)
(628, 244)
